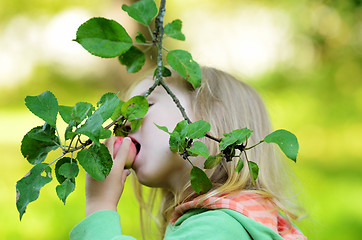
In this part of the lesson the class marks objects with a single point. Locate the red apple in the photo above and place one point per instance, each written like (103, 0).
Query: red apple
(131, 154)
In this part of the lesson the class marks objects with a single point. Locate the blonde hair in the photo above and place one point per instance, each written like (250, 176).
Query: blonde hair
(229, 104)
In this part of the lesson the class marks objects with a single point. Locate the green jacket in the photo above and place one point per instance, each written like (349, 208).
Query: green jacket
(197, 224)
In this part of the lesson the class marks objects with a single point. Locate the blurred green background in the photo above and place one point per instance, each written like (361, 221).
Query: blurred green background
(304, 57)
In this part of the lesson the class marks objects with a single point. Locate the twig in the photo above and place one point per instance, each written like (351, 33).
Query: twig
(176, 100)
(60, 141)
(114, 122)
(150, 31)
(254, 145)
(190, 162)
(150, 90)
(70, 144)
(250, 173)
(213, 138)
(56, 159)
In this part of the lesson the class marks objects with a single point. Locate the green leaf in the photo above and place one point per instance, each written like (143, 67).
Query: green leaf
(287, 142)
(66, 113)
(63, 190)
(176, 143)
(181, 128)
(181, 61)
(177, 139)
(45, 133)
(254, 169)
(239, 165)
(105, 133)
(165, 72)
(78, 113)
(65, 160)
(107, 105)
(28, 188)
(44, 106)
(96, 161)
(212, 161)
(35, 146)
(69, 170)
(135, 108)
(237, 136)
(133, 59)
(142, 11)
(92, 128)
(199, 181)
(117, 110)
(163, 128)
(199, 148)
(198, 129)
(173, 30)
(140, 38)
(136, 124)
(103, 37)
(69, 134)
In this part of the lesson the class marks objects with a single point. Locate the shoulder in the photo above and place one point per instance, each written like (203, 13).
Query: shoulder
(218, 224)
(206, 224)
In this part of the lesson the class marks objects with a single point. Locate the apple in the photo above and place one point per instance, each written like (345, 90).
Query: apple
(131, 153)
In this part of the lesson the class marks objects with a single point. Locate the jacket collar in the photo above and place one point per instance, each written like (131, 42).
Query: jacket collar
(251, 205)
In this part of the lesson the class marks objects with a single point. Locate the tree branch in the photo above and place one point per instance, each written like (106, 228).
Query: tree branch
(158, 36)
(176, 101)
(254, 145)
(150, 90)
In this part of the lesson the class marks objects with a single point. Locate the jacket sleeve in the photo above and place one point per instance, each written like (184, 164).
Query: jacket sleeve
(100, 225)
(210, 225)
(220, 224)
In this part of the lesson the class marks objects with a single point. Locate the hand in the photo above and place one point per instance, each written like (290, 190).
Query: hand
(104, 195)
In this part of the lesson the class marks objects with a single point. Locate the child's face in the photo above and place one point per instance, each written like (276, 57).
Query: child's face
(155, 164)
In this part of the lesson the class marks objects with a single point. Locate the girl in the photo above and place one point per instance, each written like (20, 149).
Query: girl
(233, 208)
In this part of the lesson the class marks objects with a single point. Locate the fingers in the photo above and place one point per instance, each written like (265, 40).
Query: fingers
(104, 195)
(109, 142)
(125, 175)
(119, 159)
(122, 153)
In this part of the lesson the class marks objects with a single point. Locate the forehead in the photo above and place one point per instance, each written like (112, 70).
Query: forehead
(144, 85)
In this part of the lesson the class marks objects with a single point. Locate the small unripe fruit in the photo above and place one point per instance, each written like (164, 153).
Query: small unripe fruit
(131, 153)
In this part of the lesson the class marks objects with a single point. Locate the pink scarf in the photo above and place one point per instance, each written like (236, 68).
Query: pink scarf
(251, 205)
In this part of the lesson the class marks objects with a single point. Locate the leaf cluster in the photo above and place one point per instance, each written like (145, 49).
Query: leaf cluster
(108, 39)
(182, 141)
(84, 121)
